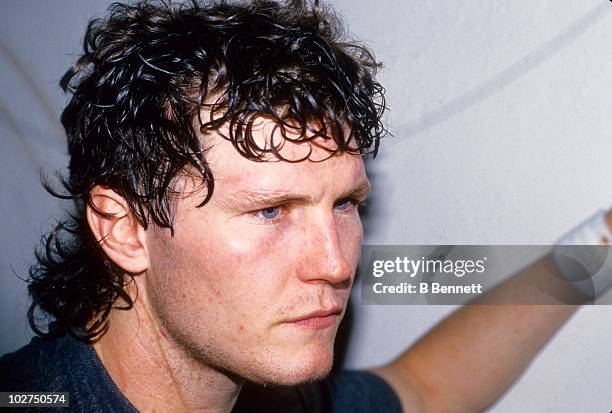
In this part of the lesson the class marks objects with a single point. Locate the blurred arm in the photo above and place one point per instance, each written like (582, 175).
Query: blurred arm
(468, 360)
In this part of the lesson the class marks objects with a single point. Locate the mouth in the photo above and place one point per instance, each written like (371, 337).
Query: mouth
(319, 319)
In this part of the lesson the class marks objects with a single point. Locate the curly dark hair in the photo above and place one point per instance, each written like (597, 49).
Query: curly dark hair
(146, 73)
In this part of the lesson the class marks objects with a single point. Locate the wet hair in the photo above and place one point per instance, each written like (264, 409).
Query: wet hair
(153, 80)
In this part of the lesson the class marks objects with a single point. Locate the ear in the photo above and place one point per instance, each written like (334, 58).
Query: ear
(118, 232)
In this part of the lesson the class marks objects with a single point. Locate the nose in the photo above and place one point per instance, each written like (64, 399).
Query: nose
(325, 259)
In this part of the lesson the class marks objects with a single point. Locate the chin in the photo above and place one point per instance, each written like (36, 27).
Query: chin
(304, 367)
(311, 370)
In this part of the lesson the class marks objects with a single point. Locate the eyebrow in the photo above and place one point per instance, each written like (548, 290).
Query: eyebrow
(258, 199)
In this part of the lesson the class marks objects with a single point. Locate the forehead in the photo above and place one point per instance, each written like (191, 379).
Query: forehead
(322, 172)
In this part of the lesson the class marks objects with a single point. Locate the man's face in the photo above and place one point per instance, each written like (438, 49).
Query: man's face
(256, 282)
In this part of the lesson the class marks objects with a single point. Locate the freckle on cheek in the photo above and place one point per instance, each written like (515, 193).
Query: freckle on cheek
(241, 327)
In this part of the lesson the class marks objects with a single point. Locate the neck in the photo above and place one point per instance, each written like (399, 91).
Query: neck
(154, 373)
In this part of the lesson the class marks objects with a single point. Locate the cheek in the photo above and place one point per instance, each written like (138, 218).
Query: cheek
(233, 272)
(258, 263)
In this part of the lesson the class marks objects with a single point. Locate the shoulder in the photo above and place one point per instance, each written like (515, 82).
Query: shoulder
(38, 366)
(63, 364)
(361, 391)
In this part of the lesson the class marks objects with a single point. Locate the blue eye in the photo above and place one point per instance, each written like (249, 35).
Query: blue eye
(269, 213)
(344, 205)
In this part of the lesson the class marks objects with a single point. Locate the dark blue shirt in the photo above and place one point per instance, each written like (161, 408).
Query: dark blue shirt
(66, 364)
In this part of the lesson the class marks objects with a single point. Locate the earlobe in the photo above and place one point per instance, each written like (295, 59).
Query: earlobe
(118, 232)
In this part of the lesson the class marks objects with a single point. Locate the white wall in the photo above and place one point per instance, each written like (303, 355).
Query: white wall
(501, 112)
